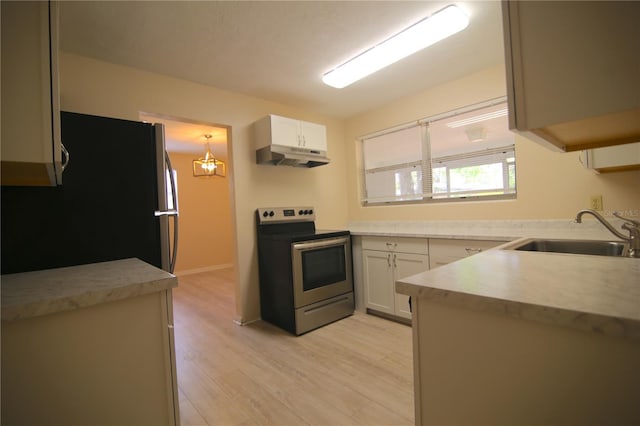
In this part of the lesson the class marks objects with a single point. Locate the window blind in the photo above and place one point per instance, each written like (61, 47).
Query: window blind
(476, 158)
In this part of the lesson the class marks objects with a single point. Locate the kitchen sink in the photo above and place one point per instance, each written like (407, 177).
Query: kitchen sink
(592, 247)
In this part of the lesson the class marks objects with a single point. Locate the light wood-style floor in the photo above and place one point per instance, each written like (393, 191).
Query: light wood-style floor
(356, 371)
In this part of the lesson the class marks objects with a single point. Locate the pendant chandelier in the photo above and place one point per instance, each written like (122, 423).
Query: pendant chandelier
(208, 165)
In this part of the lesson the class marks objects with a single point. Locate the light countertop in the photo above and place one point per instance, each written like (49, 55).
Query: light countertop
(32, 294)
(496, 230)
(593, 293)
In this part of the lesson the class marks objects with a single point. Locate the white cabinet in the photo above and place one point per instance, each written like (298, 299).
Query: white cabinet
(386, 260)
(88, 345)
(572, 72)
(461, 351)
(112, 363)
(31, 147)
(283, 131)
(313, 136)
(378, 276)
(444, 251)
(612, 159)
(405, 265)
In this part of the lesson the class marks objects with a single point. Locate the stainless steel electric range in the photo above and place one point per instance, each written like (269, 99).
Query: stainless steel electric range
(306, 278)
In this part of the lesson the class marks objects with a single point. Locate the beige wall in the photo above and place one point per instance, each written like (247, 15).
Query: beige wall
(550, 185)
(206, 239)
(100, 88)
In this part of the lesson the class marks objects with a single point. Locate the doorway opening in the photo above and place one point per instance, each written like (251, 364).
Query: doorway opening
(206, 238)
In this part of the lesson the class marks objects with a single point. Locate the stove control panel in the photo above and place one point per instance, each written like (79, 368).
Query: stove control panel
(285, 214)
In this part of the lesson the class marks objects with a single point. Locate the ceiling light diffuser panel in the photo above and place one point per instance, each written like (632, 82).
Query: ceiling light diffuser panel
(436, 27)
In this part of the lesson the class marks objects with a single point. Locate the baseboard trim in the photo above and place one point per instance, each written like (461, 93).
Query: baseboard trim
(390, 317)
(204, 269)
(240, 321)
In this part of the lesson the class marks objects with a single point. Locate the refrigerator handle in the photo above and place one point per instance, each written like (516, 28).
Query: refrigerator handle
(66, 156)
(174, 214)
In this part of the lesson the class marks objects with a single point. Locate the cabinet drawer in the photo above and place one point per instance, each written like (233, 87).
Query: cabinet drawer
(446, 251)
(396, 244)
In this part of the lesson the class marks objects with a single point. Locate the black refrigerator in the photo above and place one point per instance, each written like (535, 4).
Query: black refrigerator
(116, 201)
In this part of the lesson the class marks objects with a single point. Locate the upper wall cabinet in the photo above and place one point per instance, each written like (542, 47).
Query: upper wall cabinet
(612, 159)
(573, 72)
(288, 142)
(31, 147)
(285, 131)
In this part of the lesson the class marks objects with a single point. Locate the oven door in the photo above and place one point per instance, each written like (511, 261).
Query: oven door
(321, 269)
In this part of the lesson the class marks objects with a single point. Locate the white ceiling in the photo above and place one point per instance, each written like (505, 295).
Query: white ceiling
(279, 50)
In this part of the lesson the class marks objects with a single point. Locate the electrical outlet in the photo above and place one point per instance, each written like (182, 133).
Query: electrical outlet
(596, 202)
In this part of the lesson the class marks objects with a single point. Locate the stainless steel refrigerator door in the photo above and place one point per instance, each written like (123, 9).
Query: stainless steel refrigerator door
(169, 246)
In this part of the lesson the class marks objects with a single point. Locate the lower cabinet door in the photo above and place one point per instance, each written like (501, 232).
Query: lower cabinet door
(378, 277)
(407, 264)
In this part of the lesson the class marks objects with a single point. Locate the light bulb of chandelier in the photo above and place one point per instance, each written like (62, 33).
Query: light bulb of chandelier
(209, 165)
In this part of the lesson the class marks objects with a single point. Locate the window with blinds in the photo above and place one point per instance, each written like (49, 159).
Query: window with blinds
(464, 154)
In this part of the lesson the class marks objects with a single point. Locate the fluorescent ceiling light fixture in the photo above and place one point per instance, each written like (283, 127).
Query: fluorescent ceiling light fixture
(477, 118)
(436, 27)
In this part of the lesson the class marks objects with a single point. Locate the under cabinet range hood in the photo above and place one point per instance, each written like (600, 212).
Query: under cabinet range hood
(282, 141)
(279, 155)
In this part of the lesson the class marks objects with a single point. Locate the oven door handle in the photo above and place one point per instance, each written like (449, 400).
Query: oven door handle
(320, 244)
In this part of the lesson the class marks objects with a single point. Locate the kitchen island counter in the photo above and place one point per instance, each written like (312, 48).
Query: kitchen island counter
(516, 337)
(593, 293)
(37, 293)
(89, 344)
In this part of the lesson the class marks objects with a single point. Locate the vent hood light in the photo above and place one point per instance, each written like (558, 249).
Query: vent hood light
(436, 27)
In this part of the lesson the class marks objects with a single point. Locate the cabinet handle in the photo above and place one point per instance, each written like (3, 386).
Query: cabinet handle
(395, 265)
(470, 250)
(65, 157)
(389, 260)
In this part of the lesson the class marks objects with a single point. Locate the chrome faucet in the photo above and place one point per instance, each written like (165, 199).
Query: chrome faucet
(633, 226)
